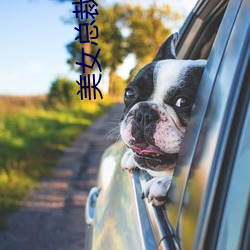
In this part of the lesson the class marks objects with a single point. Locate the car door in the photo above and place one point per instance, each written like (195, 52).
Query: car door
(121, 218)
(207, 184)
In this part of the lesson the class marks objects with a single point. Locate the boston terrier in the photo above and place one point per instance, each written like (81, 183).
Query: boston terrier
(158, 102)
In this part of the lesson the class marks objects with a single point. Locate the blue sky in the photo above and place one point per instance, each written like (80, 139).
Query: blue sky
(32, 44)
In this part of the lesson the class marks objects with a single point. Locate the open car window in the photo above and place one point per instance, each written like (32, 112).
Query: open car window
(196, 41)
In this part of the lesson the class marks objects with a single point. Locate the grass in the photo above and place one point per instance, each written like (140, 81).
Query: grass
(31, 138)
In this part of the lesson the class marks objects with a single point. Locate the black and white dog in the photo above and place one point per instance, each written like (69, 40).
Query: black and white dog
(158, 103)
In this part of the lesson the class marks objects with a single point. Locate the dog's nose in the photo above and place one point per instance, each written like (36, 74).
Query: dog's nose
(145, 117)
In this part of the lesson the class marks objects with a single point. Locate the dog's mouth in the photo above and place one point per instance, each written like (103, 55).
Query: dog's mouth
(149, 152)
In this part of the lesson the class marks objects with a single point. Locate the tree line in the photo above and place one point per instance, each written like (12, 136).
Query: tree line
(123, 30)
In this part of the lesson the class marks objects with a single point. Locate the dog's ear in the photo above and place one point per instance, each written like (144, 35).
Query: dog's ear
(167, 49)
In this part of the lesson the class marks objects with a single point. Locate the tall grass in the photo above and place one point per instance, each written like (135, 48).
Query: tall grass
(31, 138)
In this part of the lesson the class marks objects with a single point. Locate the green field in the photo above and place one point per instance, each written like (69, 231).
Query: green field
(32, 135)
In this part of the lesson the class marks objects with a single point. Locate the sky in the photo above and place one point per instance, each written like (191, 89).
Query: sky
(33, 43)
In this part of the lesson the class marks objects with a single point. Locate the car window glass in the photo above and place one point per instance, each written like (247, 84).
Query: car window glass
(236, 207)
(189, 212)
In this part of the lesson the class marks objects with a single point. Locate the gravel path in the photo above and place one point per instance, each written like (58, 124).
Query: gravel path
(53, 218)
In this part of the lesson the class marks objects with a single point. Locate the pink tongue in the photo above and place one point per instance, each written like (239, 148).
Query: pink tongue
(145, 149)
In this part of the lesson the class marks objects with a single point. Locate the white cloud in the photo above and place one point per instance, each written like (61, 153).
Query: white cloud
(34, 68)
(12, 75)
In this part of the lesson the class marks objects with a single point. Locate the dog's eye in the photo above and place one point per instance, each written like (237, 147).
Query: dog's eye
(183, 102)
(130, 94)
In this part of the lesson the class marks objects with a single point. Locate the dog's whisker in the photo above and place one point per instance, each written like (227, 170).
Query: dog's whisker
(111, 136)
(118, 138)
(115, 121)
(112, 132)
(116, 129)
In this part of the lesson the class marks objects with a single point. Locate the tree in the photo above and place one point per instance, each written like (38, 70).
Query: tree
(123, 29)
(148, 32)
(117, 86)
(110, 42)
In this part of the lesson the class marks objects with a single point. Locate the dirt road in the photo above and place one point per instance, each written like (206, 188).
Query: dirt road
(53, 218)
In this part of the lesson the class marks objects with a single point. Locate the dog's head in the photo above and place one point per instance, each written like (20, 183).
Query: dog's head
(158, 103)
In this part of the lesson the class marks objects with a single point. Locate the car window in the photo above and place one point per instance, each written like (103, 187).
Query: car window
(165, 223)
(235, 212)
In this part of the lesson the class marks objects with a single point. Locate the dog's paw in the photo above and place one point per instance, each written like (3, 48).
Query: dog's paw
(127, 162)
(156, 189)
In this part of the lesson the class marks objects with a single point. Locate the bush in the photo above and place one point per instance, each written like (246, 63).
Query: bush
(63, 92)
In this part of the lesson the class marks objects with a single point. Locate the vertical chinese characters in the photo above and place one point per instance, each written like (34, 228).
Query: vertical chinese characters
(88, 34)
